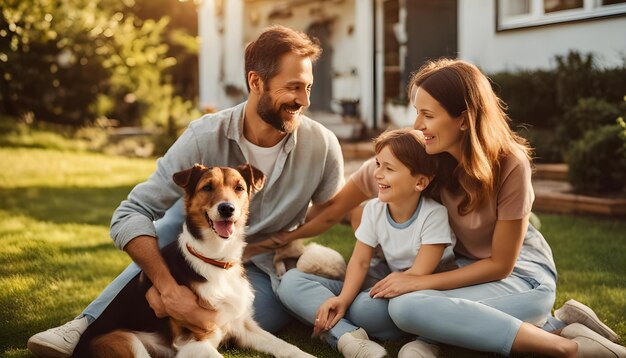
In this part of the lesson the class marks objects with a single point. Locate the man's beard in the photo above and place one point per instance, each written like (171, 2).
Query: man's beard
(273, 117)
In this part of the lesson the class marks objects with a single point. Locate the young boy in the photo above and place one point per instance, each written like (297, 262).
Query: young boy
(412, 230)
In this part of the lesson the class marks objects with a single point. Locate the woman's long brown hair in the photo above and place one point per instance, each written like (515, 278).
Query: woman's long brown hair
(463, 90)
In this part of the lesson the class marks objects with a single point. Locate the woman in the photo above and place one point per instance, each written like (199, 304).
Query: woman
(505, 285)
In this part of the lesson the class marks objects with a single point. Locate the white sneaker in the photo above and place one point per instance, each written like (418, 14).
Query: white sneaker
(358, 345)
(591, 344)
(418, 349)
(575, 312)
(58, 341)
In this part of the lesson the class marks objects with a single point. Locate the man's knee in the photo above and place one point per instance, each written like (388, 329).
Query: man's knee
(170, 225)
(269, 312)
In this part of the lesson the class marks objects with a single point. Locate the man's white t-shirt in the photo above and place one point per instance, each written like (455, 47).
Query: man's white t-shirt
(262, 158)
(401, 242)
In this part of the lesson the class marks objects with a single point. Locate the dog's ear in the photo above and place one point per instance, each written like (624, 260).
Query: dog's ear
(187, 179)
(253, 177)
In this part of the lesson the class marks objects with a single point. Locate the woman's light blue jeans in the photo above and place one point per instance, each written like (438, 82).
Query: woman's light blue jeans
(269, 312)
(485, 317)
(304, 293)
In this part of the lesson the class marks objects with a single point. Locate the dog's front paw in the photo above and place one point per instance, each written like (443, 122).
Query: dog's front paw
(295, 353)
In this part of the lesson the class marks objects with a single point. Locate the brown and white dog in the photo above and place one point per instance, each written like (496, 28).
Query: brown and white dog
(206, 258)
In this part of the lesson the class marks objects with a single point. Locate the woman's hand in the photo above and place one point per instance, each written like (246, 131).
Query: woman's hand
(329, 313)
(395, 284)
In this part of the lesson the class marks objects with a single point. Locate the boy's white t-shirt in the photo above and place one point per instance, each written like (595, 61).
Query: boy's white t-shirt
(262, 158)
(401, 242)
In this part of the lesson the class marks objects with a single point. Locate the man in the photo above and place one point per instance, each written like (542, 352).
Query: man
(302, 161)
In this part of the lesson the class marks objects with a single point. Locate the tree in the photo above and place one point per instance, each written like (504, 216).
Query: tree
(72, 61)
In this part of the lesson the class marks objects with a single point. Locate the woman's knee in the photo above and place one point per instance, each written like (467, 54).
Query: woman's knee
(408, 311)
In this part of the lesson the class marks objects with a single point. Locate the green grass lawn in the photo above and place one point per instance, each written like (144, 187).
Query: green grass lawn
(56, 256)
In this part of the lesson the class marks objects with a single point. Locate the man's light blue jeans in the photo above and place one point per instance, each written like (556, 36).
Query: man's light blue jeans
(269, 312)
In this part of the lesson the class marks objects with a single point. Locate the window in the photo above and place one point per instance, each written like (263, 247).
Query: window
(560, 5)
(513, 14)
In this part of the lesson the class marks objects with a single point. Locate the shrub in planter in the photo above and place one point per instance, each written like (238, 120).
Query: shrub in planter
(576, 77)
(543, 142)
(597, 163)
(529, 96)
(587, 114)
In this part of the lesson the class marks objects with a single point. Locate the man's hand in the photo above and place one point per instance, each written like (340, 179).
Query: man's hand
(270, 244)
(181, 304)
(154, 300)
(329, 313)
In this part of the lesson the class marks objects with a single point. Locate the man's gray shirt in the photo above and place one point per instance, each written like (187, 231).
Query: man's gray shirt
(309, 168)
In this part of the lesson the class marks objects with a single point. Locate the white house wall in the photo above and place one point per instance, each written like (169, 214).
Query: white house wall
(345, 46)
(534, 47)
(225, 35)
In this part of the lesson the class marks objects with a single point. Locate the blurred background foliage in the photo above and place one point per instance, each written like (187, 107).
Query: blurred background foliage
(574, 114)
(555, 108)
(90, 69)
(79, 62)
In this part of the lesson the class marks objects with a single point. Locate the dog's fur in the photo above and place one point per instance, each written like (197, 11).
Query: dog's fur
(216, 203)
(313, 258)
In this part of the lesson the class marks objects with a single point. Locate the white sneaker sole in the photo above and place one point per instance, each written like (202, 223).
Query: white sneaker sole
(575, 312)
(586, 336)
(45, 349)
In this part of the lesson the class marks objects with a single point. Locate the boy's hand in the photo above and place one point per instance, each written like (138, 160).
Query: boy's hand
(329, 313)
(395, 284)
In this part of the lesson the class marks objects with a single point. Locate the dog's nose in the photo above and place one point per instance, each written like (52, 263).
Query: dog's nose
(226, 210)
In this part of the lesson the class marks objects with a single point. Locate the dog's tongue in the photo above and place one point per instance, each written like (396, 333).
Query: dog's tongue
(224, 228)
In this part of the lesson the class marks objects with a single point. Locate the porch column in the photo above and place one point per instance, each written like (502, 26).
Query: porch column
(209, 56)
(234, 51)
(364, 32)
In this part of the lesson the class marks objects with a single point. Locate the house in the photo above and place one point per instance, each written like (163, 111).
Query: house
(370, 47)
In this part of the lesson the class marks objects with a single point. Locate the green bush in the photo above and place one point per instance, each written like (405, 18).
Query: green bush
(576, 77)
(529, 96)
(74, 61)
(575, 96)
(588, 114)
(543, 142)
(597, 163)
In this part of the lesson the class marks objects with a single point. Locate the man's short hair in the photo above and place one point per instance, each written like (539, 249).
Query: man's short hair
(263, 54)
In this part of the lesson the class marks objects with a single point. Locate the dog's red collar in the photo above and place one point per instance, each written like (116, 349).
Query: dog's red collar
(220, 264)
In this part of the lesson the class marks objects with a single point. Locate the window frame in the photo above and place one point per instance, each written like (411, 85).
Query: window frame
(592, 9)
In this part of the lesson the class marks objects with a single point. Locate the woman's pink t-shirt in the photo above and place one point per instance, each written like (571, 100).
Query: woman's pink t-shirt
(512, 200)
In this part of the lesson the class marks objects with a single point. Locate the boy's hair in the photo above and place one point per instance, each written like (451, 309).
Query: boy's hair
(263, 55)
(408, 146)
